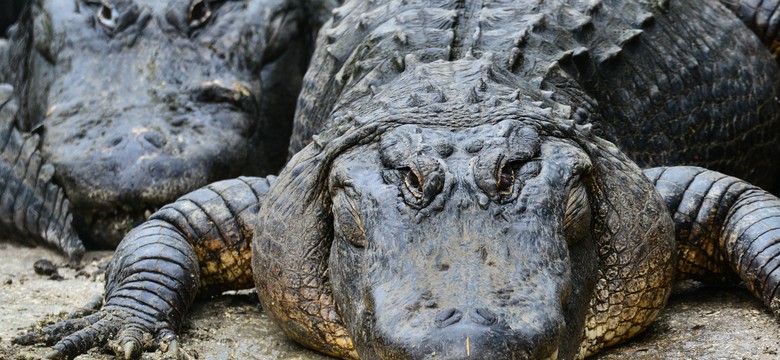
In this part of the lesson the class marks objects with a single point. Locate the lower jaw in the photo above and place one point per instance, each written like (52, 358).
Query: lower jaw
(104, 229)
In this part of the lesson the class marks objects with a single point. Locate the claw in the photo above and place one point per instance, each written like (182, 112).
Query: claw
(129, 340)
(53, 355)
(52, 333)
(173, 349)
(130, 349)
(169, 346)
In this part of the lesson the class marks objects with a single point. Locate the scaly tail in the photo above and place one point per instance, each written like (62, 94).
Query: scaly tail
(198, 244)
(761, 16)
(723, 224)
(32, 208)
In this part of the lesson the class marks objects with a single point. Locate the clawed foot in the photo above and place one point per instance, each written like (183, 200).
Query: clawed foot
(126, 335)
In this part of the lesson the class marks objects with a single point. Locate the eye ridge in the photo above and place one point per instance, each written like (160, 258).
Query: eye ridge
(199, 13)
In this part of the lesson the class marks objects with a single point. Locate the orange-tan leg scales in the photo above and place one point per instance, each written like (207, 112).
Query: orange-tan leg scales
(724, 226)
(199, 244)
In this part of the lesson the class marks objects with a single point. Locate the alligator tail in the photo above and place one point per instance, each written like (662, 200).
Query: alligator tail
(723, 225)
(763, 17)
(33, 209)
(199, 244)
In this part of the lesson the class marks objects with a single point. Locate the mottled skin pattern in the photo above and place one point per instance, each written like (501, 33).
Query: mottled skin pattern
(466, 183)
(138, 102)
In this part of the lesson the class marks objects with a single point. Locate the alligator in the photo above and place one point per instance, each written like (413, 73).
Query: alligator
(123, 106)
(466, 183)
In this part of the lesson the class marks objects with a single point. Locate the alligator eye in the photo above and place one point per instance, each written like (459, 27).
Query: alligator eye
(200, 12)
(413, 183)
(505, 180)
(107, 16)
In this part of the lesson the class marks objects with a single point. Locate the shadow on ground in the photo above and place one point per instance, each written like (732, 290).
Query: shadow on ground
(699, 323)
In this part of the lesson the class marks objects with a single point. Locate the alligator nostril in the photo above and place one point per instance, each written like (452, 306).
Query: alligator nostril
(448, 317)
(113, 142)
(483, 316)
(155, 139)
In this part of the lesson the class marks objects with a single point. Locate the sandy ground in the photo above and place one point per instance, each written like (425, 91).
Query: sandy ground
(699, 323)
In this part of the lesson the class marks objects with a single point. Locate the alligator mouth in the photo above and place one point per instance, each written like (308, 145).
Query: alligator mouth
(105, 228)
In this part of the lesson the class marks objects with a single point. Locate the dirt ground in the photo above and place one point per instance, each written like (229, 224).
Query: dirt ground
(699, 323)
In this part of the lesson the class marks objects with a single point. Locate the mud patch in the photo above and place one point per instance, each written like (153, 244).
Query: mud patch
(699, 323)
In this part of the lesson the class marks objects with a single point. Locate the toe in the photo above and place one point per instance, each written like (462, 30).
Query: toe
(87, 338)
(53, 333)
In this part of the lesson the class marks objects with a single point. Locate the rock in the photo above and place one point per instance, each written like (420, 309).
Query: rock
(45, 267)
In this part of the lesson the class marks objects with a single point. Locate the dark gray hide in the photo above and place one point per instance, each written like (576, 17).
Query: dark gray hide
(138, 102)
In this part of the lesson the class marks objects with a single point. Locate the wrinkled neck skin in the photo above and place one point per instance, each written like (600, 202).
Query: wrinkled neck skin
(141, 101)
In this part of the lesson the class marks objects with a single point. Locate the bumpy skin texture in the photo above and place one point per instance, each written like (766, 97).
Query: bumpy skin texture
(32, 207)
(621, 66)
(462, 197)
(138, 102)
(198, 244)
(631, 60)
(761, 16)
(724, 226)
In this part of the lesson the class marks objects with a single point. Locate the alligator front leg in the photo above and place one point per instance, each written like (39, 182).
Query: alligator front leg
(763, 17)
(199, 244)
(33, 209)
(723, 224)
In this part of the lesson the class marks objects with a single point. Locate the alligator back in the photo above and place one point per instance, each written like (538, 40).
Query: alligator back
(669, 82)
(640, 71)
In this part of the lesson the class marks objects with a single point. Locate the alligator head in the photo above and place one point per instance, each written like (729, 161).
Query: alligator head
(489, 226)
(466, 220)
(141, 101)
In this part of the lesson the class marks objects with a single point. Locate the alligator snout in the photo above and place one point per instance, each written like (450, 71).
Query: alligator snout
(119, 166)
(480, 333)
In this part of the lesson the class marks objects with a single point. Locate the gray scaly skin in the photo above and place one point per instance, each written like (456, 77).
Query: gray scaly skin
(32, 207)
(136, 103)
(473, 188)
(761, 16)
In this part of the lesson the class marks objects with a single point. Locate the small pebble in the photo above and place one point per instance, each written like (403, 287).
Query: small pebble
(45, 267)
